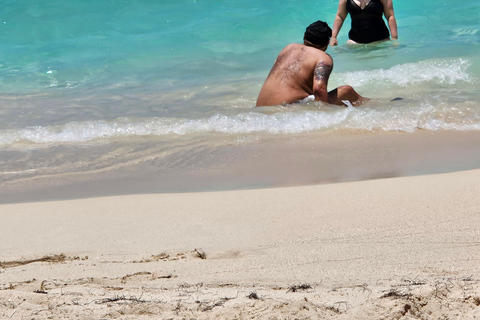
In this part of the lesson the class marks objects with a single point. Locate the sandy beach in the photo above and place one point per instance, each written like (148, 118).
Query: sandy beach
(397, 248)
(138, 179)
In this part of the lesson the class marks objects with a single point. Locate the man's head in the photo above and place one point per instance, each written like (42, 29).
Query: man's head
(318, 34)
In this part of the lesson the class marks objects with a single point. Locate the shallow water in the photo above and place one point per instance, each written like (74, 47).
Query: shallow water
(106, 88)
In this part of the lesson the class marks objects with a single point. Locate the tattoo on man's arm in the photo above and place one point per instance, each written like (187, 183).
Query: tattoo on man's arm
(322, 71)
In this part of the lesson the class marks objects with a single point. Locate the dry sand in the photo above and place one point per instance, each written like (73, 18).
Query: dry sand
(400, 248)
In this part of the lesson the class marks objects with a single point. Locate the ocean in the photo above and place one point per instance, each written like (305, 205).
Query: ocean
(115, 96)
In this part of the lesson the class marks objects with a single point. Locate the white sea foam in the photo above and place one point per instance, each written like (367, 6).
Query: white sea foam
(394, 118)
(281, 122)
(448, 71)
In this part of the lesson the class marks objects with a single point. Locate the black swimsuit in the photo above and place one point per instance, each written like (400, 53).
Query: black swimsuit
(367, 24)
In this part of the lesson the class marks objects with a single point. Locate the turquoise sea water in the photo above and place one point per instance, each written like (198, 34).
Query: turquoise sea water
(95, 87)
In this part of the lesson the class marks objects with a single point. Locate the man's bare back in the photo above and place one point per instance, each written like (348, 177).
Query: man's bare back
(301, 70)
(291, 78)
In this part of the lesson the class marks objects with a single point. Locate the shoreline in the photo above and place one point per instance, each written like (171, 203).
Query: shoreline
(279, 161)
(400, 248)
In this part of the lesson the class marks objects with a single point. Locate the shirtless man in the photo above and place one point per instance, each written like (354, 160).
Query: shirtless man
(302, 70)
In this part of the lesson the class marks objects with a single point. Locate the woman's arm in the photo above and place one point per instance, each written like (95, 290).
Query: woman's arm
(338, 22)
(390, 16)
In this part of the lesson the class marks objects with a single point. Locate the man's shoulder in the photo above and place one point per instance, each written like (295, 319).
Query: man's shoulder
(318, 55)
(292, 46)
(301, 46)
(312, 55)
(323, 56)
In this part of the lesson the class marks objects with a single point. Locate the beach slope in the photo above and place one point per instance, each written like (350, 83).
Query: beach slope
(399, 248)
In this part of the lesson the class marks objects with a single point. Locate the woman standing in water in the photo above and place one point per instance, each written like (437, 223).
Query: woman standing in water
(367, 21)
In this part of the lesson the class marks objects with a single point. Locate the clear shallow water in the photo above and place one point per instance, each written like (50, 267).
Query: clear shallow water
(81, 83)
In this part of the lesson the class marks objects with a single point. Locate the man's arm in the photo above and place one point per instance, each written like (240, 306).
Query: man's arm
(321, 74)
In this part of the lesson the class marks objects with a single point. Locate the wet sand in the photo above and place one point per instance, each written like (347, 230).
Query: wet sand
(279, 161)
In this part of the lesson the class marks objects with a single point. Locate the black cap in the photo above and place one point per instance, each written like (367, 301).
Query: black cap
(318, 33)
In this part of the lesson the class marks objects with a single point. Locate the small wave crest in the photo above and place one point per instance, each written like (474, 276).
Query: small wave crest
(384, 118)
(438, 71)
(282, 122)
